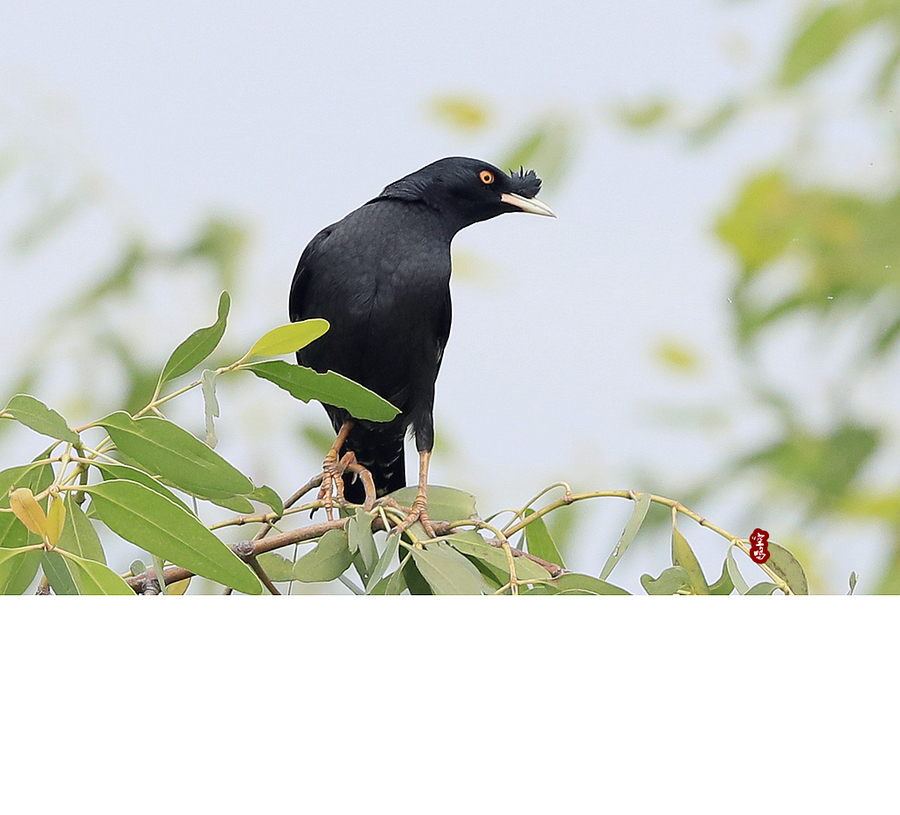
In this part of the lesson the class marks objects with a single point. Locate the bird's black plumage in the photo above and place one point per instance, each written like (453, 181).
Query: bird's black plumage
(381, 277)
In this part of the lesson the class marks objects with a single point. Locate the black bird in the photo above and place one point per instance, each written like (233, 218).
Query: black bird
(381, 277)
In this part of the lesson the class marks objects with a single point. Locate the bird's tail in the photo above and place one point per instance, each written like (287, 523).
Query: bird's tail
(381, 453)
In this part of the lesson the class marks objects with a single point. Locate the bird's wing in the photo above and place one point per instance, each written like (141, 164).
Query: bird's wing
(300, 283)
(443, 334)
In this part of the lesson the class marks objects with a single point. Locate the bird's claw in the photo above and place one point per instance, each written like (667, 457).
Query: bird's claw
(418, 512)
(333, 482)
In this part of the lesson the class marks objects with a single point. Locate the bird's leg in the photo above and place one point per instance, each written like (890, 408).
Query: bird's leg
(332, 471)
(420, 505)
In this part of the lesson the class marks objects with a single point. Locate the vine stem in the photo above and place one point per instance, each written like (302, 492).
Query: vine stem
(676, 506)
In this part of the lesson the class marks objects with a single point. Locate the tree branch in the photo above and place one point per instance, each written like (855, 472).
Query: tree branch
(146, 582)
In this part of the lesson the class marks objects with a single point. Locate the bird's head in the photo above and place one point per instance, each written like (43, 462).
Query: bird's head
(466, 190)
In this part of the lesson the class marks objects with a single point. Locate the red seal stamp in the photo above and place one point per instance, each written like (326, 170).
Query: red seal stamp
(759, 551)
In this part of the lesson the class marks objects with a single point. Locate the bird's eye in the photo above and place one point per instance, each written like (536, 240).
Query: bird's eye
(486, 176)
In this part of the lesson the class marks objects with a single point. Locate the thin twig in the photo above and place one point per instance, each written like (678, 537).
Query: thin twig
(254, 564)
(313, 482)
(677, 506)
(554, 569)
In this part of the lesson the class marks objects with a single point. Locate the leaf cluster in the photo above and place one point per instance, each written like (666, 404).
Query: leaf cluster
(133, 483)
(131, 480)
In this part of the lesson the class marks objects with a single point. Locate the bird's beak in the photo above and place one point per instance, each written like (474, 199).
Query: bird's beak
(532, 205)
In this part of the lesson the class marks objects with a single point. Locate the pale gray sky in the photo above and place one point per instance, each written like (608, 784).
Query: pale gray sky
(291, 115)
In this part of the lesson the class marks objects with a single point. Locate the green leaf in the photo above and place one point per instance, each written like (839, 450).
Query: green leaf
(415, 583)
(17, 569)
(360, 539)
(125, 473)
(447, 571)
(672, 580)
(154, 523)
(32, 413)
(677, 356)
(198, 346)
(645, 116)
(761, 588)
(724, 585)
(221, 241)
(885, 338)
(886, 80)
(444, 503)
(788, 568)
(37, 477)
(56, 519)
(641, 507)
(473, 546)
(279, 569)
(58, 574)
(390, 549)
(95, 578)
(493, 578)
(330, 558)
(827, 464)
(714, 124)
(268, 496)
(540, 541)
(166, 450)
(823, 36)
(573, 583)
(79, 536)
(394, 583)
(683, 555)
(465, 113)
(380, 587)
(329, 388)
(853, 579)
(485, 558)
(236, 503)
(286, 339)
(137, 567)
(734, 573)
(763, 220)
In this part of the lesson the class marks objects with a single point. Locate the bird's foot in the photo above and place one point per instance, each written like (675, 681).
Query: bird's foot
(418, 512)
(332, 489)
(350, 464)
(333, 482)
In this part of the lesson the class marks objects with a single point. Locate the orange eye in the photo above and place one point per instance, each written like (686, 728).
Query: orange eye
(486, 176)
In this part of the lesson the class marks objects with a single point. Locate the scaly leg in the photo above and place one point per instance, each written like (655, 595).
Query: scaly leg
(420, 505)
(332, 471)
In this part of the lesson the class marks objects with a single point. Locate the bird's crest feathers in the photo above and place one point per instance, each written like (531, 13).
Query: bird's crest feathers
(525, 183)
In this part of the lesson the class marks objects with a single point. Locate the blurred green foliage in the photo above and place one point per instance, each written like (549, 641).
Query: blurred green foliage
(215, 252)
(831, 254)
(809, 249)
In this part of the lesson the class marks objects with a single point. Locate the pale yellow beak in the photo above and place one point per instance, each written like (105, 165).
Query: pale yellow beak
(532, 205)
